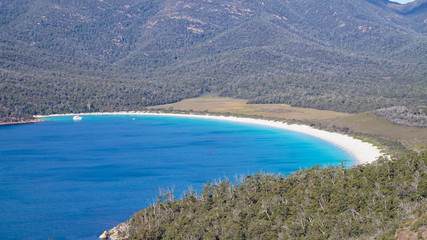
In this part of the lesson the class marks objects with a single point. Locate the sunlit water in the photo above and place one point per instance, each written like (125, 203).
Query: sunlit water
(66, 179)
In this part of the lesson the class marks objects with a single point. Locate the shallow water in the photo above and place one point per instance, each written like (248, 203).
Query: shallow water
(66, 179)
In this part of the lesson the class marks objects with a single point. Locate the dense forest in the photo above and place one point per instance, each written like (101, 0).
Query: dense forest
(369, 201)
(81, 56)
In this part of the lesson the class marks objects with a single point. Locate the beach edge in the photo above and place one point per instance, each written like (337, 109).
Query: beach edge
(363, 152)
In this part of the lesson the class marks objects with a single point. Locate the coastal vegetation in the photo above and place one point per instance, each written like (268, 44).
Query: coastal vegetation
(361, 202)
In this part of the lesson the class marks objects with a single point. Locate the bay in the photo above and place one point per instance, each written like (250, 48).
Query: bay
(66, 179)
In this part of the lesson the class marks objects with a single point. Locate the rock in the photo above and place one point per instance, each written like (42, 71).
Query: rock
(104, 235)
(120, 232)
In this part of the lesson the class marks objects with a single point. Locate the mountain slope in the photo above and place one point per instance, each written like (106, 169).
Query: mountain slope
(64, 56)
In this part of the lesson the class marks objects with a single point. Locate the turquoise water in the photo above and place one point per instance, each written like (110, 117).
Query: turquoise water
(66, 179)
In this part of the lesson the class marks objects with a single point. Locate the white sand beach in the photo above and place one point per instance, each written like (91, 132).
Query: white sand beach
(363, 152)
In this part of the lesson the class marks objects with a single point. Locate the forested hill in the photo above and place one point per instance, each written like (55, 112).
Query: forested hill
(61, 56)
(364, 202)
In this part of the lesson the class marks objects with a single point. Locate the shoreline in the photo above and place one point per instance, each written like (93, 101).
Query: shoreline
(362, 152)
(21, 122)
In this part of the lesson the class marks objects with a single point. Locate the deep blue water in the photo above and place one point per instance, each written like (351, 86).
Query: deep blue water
(66, 179)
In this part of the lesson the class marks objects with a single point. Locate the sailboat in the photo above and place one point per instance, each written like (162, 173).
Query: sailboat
(77, 117)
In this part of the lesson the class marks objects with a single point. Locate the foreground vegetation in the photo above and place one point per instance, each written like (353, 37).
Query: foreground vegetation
(365, 201)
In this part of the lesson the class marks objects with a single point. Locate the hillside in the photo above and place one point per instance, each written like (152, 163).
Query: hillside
(80, 56)
(416, 10)
(363, 202)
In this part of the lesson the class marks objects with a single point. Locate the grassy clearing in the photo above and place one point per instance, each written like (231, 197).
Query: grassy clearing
(361, 123)
(239, 106)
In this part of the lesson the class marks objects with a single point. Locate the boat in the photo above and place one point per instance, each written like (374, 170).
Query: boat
(77, 117)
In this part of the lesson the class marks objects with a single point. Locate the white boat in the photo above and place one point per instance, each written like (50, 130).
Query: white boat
(77, 117)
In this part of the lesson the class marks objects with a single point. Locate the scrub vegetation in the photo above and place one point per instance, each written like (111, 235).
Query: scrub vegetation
(361, 202)
(412, 117)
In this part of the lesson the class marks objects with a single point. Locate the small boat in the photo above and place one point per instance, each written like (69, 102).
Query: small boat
(77, 117)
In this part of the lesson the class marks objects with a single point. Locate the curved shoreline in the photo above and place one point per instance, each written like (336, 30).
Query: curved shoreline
(363, 152)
